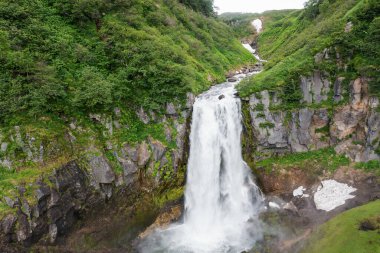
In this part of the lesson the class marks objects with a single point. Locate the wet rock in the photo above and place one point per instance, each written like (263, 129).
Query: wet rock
(232, 79)
(163, 220)
(143, 154)
(102, 171)
(221, 97)
(181, 138)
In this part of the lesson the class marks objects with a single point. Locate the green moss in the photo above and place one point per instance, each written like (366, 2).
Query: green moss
(169, 195)
(266, 125)
(342, 233)
(319, 160)
(371, 166)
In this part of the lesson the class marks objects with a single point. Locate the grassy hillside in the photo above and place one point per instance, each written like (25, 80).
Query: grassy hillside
(75, 72)
(79, 56)
(291, 43)
(343, 233)
(241, 23)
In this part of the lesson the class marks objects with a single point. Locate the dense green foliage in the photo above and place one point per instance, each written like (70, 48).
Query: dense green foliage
(84, 55)
(242, 22)
(342, 233)
(291, 43)
(203, 6)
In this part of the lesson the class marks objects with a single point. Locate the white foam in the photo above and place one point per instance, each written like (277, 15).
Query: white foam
(332, 194)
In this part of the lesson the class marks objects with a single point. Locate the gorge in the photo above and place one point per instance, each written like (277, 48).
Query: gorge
(146, 126)
(222, 201)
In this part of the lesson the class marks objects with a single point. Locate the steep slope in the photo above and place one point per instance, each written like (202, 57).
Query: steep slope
(349, 28)
(320, 86)
(95, 98)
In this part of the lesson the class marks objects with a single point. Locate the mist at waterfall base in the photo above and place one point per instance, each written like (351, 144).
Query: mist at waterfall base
(222, 202)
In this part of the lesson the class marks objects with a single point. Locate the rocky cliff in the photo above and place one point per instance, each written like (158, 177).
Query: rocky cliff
(332, 112)
(47, 205)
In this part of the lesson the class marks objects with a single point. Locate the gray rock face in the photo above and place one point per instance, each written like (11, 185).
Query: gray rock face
(170, 109)
(310, 129)
(143, 154)
(291, 132)
(158, 149)
(8, 223)
(315, 88)
(102, 171)
(130, 152)
(130, 170)
(141, 114)
(190, 100)
(338, 92)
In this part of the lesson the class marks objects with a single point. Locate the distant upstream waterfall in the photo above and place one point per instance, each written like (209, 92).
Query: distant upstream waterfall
(222, 201)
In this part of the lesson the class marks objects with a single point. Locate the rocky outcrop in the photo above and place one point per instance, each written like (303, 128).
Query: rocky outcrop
(57, 199)
(353, 128)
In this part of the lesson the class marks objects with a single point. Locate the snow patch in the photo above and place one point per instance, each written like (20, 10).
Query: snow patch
(299, 191)
(332, 194)
(258, 24)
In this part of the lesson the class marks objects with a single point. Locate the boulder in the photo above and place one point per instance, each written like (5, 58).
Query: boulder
(158, 149)
(101, 170)
(141, 114)
(129, 170)
(143, 154)
(8, 223)
(170, 109)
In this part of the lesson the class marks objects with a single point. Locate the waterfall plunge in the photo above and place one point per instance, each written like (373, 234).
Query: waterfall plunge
(221, 200)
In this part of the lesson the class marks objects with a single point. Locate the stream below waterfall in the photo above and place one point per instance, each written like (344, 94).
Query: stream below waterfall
(222, 201)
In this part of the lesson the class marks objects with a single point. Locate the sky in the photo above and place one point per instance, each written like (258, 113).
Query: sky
(256, 6)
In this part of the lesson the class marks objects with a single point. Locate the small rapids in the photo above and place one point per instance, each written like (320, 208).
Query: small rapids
(222, 201)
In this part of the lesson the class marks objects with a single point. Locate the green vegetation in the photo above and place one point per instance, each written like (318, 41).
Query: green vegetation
(290, 44)
(370, 166)
(80, 56)
(11, 180)
(344, 234)
(242, 22)
(317, 161)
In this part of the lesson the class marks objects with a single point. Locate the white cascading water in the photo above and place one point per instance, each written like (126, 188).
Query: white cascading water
(222, 202)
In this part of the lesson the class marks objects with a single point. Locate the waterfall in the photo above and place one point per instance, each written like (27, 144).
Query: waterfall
(222, 202)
